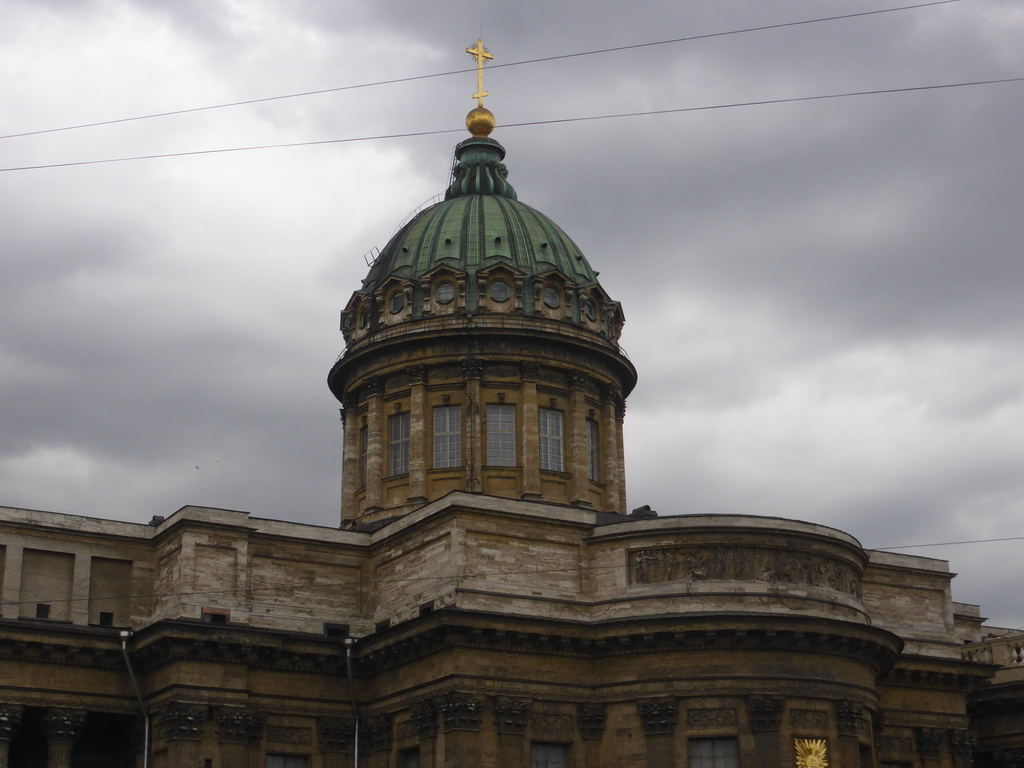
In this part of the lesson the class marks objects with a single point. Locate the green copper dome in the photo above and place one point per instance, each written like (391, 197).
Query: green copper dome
(480, 252)
(480, 224)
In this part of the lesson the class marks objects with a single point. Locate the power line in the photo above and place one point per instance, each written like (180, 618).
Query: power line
(948, 543)
(415, 78)
(680, 110)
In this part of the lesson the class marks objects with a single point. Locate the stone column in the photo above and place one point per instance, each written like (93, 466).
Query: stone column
(460, 722)
(579, 456)
(475, 446)
(424, 718)
(376, 427)
(529, 429)
(379, 738)
(848, 719)
(590, 720)
(182, 725)
(335, 740)
(510, 718)
(241, 731)
(658, 717)
(764, 714)
(10, 721)
(610, 450)
(350, 459)
(961, 746)
(420, 430)
(62, 728)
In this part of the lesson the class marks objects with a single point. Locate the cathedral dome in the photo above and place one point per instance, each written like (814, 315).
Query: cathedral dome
(481, 251)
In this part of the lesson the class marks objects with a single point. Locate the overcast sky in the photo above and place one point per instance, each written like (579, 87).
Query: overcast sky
(824, 299)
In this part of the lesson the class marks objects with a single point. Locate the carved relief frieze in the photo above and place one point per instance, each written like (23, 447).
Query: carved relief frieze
(590, 719)
(551, 724)
(742, 563)
(894, 745)
(710, 718)
(808, 719)
(658, 716)
(283, 734)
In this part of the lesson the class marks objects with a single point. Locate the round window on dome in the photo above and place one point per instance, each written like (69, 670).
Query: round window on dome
(551, 297)
(396, 303)
(499, 291)
(589, 310)
(444, 293)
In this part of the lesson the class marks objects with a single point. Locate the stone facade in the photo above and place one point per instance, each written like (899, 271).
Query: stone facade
(480, 626)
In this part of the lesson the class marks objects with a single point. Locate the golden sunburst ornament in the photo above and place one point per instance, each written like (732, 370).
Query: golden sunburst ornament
(811, 753)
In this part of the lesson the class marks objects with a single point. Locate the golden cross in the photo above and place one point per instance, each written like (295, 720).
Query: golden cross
(479, 53)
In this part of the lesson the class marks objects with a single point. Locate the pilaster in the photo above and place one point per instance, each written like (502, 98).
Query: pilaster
(529, 431)
(420, 429)
(10, 721)
(62, 728)
(658, 717)
(375, 429)
(764, 713)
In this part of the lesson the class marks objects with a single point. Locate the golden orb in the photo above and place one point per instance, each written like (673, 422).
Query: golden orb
(480, 121)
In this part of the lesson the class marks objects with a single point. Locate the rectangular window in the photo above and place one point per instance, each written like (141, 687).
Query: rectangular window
(409, 758)
(551, 427)
(713, 753)
(594, 450)
(398, 443)
(543, 755)
(364, 443)
(447, 436)
(501, 435)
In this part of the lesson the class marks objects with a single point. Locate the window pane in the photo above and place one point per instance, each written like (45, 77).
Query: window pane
(447, 436)
(398, 443)
(501, 435)
(551, 440)
(594, 450)
(549, 755)
(713, 753)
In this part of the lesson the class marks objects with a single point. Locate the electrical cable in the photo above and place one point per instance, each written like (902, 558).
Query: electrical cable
(530, 123)
(415, 78)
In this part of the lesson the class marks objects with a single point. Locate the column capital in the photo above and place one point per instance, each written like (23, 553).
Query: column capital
(240, 725)
(183, 722)
(10, 720)
(765, 712)
(63, 725)
(334, 733)
(657, 715)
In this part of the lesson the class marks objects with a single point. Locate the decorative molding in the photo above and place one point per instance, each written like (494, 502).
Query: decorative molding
(334, 734)
(849, 716)
(10, 720)
(183, 722)
(551, 724)
(808, 719)
(765, 712)
(658, 716)
(417, 374)
(590, 719)
(1011, 757)
(459, 712)
(894, 745)
(424, 718)
(379, 733)
(930, 742)
(738, 563)
(239, 725)
(374, 387)
(285, 734)
(811, 753)
(511, 715)
(63, 726)
(710, 718)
